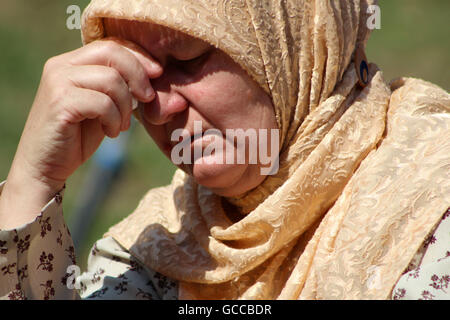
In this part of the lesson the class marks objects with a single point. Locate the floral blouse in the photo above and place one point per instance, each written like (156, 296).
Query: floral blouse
(37, 261)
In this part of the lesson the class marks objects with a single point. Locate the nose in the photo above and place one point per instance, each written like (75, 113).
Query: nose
(166, 105)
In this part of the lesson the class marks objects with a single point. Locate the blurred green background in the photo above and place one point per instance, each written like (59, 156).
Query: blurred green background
(413, 41)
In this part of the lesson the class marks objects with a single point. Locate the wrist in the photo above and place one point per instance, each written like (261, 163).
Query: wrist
(23, 198)
(22, 177)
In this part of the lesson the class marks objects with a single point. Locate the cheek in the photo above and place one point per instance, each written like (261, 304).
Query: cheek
(225, 100)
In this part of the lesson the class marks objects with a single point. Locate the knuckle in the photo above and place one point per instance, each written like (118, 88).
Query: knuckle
(140, 70)
(50, 64)
(54, 86)
(107, 46)
(107, 103)
(52, 77)
(51, 70)
(115, 78)
(55, 75)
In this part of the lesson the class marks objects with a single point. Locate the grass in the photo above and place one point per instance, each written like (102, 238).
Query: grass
(413, 42)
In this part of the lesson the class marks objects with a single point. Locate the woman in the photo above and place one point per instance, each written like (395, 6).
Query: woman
(360, 186)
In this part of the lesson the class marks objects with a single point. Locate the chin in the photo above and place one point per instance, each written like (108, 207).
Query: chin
(223, 179)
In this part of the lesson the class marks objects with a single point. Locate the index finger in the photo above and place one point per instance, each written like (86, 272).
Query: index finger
(133, 64)
(151, 65)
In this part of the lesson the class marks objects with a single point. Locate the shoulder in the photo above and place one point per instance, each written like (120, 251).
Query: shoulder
(417, 117)
(418, 97)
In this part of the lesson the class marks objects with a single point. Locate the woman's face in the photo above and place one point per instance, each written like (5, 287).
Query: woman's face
(200, 83)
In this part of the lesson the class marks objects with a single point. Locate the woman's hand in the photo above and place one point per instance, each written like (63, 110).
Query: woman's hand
(84, 95)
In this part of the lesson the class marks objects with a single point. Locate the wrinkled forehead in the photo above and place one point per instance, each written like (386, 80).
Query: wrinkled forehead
(158, 40)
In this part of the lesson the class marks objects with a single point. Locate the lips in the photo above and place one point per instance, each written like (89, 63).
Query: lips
(190, 143)
(190, 135)
(192, 139)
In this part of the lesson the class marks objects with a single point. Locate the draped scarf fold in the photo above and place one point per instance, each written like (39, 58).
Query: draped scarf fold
(360, 184)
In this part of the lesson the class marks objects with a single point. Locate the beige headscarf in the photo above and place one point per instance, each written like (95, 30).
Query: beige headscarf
(361, 183)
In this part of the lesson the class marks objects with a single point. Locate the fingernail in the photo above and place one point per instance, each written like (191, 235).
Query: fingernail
(149, 92)
(134, 103)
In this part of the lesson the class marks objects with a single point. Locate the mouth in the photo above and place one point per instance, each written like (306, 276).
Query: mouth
(191, 146)
(187, 141)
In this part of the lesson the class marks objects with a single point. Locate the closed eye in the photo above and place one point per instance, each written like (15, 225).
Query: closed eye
(192, 65)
